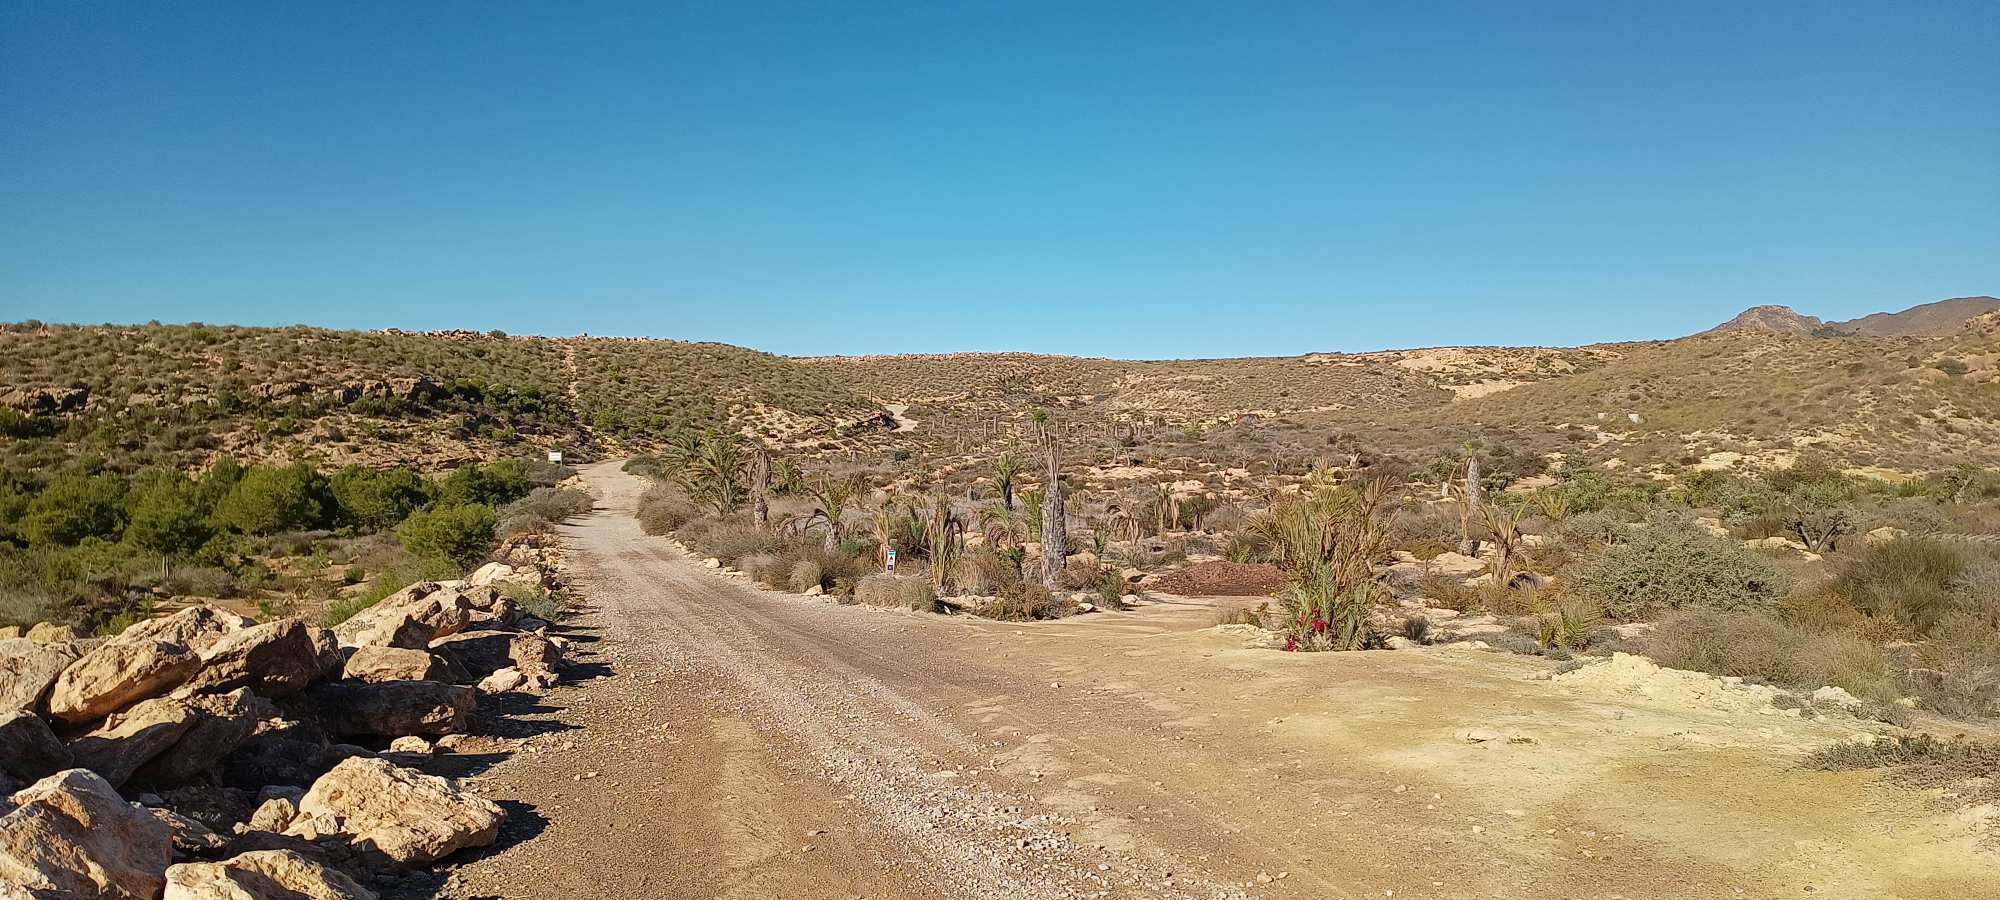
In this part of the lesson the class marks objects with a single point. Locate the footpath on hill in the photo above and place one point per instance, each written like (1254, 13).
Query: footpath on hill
(745, 743)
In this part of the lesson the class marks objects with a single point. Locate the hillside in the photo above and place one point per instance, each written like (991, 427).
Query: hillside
(1927, 320)
(185, 394)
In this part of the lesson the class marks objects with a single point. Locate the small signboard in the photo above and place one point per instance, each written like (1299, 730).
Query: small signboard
(891, 557)
(555, 456)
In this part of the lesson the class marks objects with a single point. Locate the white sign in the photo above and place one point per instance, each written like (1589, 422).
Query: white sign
(892, 560)
(555, 456)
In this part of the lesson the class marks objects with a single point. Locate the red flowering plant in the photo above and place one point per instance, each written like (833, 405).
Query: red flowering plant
(1329, 540)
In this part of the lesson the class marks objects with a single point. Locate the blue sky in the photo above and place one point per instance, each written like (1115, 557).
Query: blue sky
(1156, 179)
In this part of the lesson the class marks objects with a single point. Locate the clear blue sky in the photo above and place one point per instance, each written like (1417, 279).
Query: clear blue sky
(1142, 180)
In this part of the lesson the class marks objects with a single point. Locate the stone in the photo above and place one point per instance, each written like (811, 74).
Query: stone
(501, 682)
(118, 674)
(51, 633)
(410, 618)
(262, 875)
(71, 835)
(278, 752)
(29, 750)
(393, 708)
(190, 837)
(222, 723)
(1884, 535)
(1452, 564)
(405, 815)
(1836, 697)
(195, 628)
(12, 632)
(377, 664)
(128, 740)
(276, 660)
(274, 815)
(28, 669)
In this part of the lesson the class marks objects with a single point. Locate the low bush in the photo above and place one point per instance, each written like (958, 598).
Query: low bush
(664, 510)
(900, 591)
(1911, 581)
(728, 539)
(1662, 568)
(457, 534)
(1762, 646)
(542, 509)
(1025, 602)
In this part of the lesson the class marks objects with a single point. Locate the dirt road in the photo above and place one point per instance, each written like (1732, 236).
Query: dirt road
(757, 744)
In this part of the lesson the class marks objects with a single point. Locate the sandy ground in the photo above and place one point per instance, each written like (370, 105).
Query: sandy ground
(741, 743)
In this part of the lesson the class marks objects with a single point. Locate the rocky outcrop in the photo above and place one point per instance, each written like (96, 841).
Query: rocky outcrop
(196, 628)
(406, 816)
(392, 708)
(1782, 319)
(262, 875)
(71, 835)
(276, 660)
(45, 401)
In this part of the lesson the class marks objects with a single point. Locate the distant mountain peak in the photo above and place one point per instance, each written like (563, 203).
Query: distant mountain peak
(1927, 320)
(1771, 318)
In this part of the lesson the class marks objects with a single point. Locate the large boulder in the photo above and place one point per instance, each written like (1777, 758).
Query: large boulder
(28, 669)
(276, 659)
(118, 674)
(222, 723)
(195, 628)
(378, 664)
(29, 750)
(130, 739)
(278, 752)
(482, 653)
(71, 835)
(262, 875)
(410, 618)
(393, 708)
(405, 815)
(1451, 564)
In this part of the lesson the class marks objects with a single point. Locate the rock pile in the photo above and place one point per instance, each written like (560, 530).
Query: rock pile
(269, 759)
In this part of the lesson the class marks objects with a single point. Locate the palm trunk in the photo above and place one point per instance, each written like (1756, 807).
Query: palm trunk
(760, 489)
(1474, 499)
(1055, 531)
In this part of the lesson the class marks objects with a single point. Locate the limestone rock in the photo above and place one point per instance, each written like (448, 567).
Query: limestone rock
(29, 750)
(274, 815)
(71, 835)
(118, 674)
(190, 837)
(377, 664)
(222, 723)
(195, 628)
(278, 752)
(262, 875)
(501, 682)
(29, 668)
(1452, 564)
(410, 618)
(1885, 535)
(130, 739)
(407, 816)
(51, 633)
(393, 708)
(276, 660)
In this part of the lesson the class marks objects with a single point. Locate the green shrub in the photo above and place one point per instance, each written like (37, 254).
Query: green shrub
(378, 498)
(1911, 581)
(542, 509)
(272, 499)
(74, 507)
(459, 534)
(168, 520)
(492, 485)
(1021, 602)
(1670, 567)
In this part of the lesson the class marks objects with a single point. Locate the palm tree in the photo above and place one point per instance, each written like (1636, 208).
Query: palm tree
(834, 493)
(1006, 469)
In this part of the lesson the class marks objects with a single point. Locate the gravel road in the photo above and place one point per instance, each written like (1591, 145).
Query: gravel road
(744, 743)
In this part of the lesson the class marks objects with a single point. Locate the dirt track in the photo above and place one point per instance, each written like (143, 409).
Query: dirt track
(756, 744)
